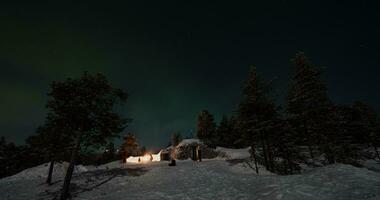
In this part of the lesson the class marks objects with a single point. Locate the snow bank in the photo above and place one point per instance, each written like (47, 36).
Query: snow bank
(185, 142)
(184, 150)
(234, 153)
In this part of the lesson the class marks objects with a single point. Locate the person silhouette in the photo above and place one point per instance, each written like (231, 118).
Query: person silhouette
(199, 152)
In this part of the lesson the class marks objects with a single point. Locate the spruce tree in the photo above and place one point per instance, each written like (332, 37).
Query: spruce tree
(257, 113)
(308, 103)
(224, 133)
(237, 133)
(368, 131)
(143, 150)
(15, 158)
(342, 135)
(284, 146)
(130, 147)
(206, 128)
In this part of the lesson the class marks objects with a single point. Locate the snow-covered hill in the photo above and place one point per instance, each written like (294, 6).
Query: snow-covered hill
(209, 179)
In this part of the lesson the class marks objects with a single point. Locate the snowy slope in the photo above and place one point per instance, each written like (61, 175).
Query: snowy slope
(41, 171)
(210, 179)
(234, 153)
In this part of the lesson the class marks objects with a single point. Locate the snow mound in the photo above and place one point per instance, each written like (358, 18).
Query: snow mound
(234, 153)
(185, 142)
(185, 149)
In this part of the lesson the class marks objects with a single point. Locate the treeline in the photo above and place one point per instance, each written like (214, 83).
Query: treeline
(37, 150)
(309, 120)
(15, 158)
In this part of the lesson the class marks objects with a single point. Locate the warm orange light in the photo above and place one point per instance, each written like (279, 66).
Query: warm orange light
(156, 157)
(145, 159)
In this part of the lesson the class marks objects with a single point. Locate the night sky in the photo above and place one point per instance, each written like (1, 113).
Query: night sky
(175, 59)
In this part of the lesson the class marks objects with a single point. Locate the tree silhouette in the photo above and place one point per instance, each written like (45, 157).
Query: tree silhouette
(206, 128)
(308, 103)
(52, 142)
(86, 106)
(130, 147)
(257, 113)
(176, 138)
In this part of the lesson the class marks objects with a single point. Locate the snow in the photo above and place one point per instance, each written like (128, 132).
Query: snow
(189, 141)
(41, 171)
(209, 179)
(373, 165)
(234, 153)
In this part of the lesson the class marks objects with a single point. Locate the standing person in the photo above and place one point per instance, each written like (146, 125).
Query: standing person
(194, 153)
(172, 160)
(199, 152)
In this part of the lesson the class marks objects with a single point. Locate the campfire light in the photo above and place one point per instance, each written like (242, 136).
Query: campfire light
(145, 159)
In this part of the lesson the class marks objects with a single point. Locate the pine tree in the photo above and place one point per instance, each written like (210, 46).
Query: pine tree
(368, 131)
(228, 133)
(143, 150)
(130, 147)
(14, 158)
(284, 146)
(52, 143)
(257, 113)
(206, 128)
(237, 133)
(307, 102)
(341, 136)
(224, 133)
(86, 107)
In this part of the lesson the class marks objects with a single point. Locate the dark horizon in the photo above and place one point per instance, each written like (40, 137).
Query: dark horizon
(175, 59)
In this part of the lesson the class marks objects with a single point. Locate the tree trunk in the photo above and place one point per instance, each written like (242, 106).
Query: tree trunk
(330, 155)
(308, 140)
(264, 152)
(270, 157)
(51, 167)
(290, 164)
(123, 157)
(311, 151)
(254, 158)
(377, 152)
(69, 173)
